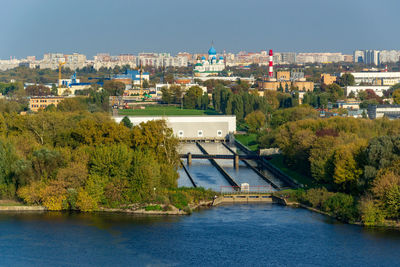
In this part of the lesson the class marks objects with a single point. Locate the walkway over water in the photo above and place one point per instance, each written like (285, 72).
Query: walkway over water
(220, 156)
(210, 166)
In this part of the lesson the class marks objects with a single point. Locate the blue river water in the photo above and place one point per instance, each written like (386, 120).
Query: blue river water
(231, 235)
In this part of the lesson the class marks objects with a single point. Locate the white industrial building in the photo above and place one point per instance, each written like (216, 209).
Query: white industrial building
(193, 127)
(377, 78)
(379, 111)
(379, 90)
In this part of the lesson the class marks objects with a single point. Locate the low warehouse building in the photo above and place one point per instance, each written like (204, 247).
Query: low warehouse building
(379, 111)
(193, 127)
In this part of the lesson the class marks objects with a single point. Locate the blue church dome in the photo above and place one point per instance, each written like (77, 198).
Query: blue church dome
(221, 57)
(214, 57)
(212, 51)
(203, 58)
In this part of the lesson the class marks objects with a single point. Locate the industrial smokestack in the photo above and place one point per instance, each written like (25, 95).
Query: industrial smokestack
(271, 64)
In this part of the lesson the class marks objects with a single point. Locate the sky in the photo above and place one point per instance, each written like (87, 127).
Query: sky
(35, 27)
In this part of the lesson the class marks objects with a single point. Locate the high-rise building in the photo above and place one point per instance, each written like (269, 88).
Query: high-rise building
(371, 57)
(358, 56)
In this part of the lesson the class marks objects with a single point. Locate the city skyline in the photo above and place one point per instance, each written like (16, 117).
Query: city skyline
(92, 27)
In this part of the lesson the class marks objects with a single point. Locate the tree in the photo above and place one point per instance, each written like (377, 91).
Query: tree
(54, 90)
(271, 98)
(386, 188)
(37, 90)
(145, 84)
(255, 120)
(72, 104)
(396, 96)
(192, 98)
(205, 101)
(127, 122)
(166, 95)
(346, 79)
(335, 92)
(346, 172)
(114, 88)
(362, 95)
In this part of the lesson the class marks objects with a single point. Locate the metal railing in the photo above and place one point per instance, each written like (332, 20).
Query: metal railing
(254, 189)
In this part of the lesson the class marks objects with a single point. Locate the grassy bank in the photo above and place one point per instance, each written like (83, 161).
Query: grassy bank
(158, 110)
(10, 203)
(277, 161)
(249, 140)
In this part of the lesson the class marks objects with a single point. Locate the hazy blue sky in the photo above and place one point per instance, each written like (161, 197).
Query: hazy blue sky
(33, 27)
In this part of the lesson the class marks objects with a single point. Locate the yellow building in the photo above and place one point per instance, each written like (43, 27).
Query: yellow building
(37, 103)
(283, 75)
(328, 79)
(303, 86)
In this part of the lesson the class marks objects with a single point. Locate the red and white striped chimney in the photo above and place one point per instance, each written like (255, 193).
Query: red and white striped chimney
(271, 64)
(386, 68)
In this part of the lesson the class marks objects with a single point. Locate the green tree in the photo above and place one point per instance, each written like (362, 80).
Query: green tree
(72, 104)
(127, 122)
(192, 98)
(335, 92)
(54, 90)
(346, 79)
(256, 120)
(205, 101)
(114, 88)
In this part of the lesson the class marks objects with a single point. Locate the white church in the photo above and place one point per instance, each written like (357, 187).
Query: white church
(211, 66)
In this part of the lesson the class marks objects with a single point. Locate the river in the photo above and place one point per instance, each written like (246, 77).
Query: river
(232, 235)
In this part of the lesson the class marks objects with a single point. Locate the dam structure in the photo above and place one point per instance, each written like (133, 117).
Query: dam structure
(211, 157)
(217, 169)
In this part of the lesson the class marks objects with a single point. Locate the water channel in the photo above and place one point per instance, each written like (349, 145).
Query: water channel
(207, 176)
(232, 235)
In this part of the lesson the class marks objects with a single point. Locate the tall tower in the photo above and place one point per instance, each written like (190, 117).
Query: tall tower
(271, 64)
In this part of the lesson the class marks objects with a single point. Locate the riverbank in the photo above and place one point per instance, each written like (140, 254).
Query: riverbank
(387, 224)
(148, 209)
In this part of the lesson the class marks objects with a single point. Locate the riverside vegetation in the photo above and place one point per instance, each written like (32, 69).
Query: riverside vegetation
(85, 161)
(353, 164)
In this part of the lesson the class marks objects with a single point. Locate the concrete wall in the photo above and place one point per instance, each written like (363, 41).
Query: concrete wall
(192, 127)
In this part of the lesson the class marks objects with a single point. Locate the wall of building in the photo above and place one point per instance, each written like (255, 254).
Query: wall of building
(37, 103)
(275, 85)
(327, 78)
(192, 127)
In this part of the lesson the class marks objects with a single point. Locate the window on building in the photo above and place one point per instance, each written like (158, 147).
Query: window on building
(200, 133)
(219, 133)
(180, 133)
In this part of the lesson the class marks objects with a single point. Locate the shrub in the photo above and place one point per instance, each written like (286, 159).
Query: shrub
(85, 202)
(315, 197)
(369, 212)
(341, 206)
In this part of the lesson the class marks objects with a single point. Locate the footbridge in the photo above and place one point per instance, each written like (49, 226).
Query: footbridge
(235, 157)
(241, 198)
